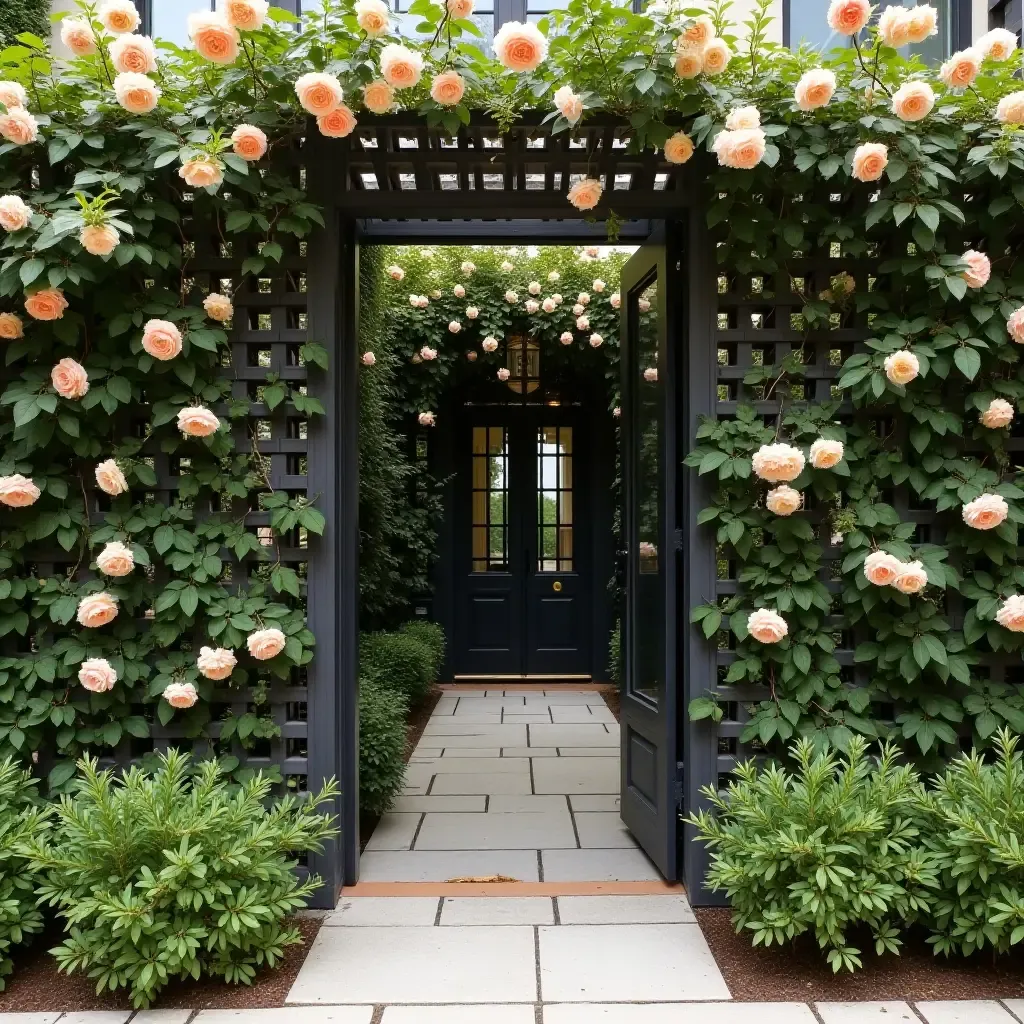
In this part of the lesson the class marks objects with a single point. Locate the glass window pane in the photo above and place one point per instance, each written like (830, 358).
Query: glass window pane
(489, 500)
(169, 19)
(554, 499)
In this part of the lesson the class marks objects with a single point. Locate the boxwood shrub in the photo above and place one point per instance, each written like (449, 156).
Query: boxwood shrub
(431, 634)
(401, 662)
(382, 724)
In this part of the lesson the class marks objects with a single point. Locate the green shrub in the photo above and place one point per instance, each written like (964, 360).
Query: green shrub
(17, 16)
(21, 820)
(974, 824)
(431, 634)
(401, 662)
(382, 726)
(176, 874)
(615, 654)
(826, 848)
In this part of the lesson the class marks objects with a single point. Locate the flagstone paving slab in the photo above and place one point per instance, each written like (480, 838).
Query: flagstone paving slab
(475, 765)
(514, 737)
(289, 1015)
(441, 803)
(965, 1011)
(459, 1015)
(161, 1017)
(673, 1013)
(598, 866)
(602, 830)
(500, 804)
(442, 865)
(392, 911)
(96, 1017)
(576, 775)
(625, 910)
(580, 714)
(596, 735)
(395, 831)
(525, 830)
(593, 802)
(874, 1012)
(503, 910)
(489, 783)
(29, 1018)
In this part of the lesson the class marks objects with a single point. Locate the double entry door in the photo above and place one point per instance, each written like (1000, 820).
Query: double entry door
(522, 545)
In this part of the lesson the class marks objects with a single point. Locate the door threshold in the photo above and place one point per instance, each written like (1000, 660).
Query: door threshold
(524, 677)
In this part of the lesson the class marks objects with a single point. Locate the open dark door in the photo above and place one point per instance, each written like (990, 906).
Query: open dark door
(649, 699)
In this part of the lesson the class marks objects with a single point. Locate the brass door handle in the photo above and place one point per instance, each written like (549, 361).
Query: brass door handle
(556, 586)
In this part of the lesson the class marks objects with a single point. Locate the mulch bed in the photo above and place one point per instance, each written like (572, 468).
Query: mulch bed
(613, 699)
(36, 985)
(799, 972)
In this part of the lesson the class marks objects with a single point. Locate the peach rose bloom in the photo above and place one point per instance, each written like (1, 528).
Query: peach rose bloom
(716, 57)
(136, 93)
(214, 37)
(826, 454)
(1015, 325)
(216, 663)
(922, 22)
(368, 359)
(218, 307)
(742, 149)
(586, 193)
(161, 339)
(373, 16)
(318, 93)
(902, 367)
(18, 491)
(180, 695)
(70, 379)
(133, 53)
(395, 272)
(870, 160)
(338, 123)
(568, 103)
(565, 337)
(427, 353)
(378, 97)
(97, 675)
(911, 579)
(426, 419)
(986, 512)
(12, 94)
(651, 374)
(777, 463)
(962, 68)
(998, 44)
(115, 559)
(815, 88)
(743, 117)
(512, 297)
(248, 142)
(533, 287)
(531, 305)
(110, 479)
(245, 15)
(99, 239)
(1010, 109)
(583, 323)
(197, 421)
(615, 300)
(1011, 614)
(596, 341)
(689, 62)
(549, 305)
(998, 414)
(77, 35)
(489, 344)
(46, 304)
(119, 16)
(399, 66)
(472, 312)
(882, 569)
(979, 268)
(19, 126)
(11, 327)
(454, 326)
(15, 213)
(699, 32)
(520, 47)
(766, 626)
(503, 374)
(203, 171)
(460, 8)
(784, 500)
(848, 17)
(265, 644)
(913, 101)
(97, 610)
(894, 26)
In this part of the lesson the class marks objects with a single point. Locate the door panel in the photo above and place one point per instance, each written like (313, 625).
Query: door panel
(649, 706)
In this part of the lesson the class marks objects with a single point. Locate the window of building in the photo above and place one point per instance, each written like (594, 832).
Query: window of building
(168, 19)
(1005, 14)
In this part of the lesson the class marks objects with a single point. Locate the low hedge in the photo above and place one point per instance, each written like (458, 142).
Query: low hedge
(431, 634)
(382, 725)
(399, 661)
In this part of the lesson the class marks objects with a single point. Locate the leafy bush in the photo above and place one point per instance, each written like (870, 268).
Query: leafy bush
(615, 653)
(401, 662)
(17, 16)
(176, 874)
(432, 635)
(829, 847)
(974, 824)
(382, 722)
(21, 820)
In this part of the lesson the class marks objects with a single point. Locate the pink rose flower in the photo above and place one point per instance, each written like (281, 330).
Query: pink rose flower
(115, 559)
(426, 419)
(77, 35)
(197, 421)
(766, 626)
(378, 97)
(848, 17)
(617, 412)
(598, 285)
(583, 323)
(489, 344)
(986, 512)
(161, 339)
(507, 267)
(548, 305)
(218, 307)
(679, 148)
(715, 58)
(742, 149)
(531, 305)
(913, 101)
(568, 103)
(777, 463)
(460, 8)
(454, 326)
(180, 695)
(136, 93)
(651, 375)
(472, 312)
(110, 479)
(596, 341)
(882, 569)
(459, 291)
(19, 126)
(202, 171)
(338, 123)
(119, 16)
(368, 359)
(998, 44)
(826, 454)
(373, 16)
(503, 374)
(214, 37)
(245, 15)
(395, 272)
(554, 277)
(1011, 614)
(1015, 325)
(18, 491)
(318, 93)
(97, 675)
(902, 367)
(46, 304)
(69, 379)
(400, 67)
(520, 47)
(869, 161)
(579, 309)
(216, 663)
(97, 610)
(566, 337)
(427, 353)
(533, 288)
(99, 239)
(689, 62)
(447, 89)
(12, 94)
(248, 142)
(615, 300)
(133, 53)
(815, 89)
(998, 414)
(511, 297)
(962, 68)
(585, 194)
(979, 268)
(15, 213)
(784, 500)
(911, 578)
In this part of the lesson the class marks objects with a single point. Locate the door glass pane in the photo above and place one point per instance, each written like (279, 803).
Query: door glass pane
(648, 639)
(490, 499)
(554, 499)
